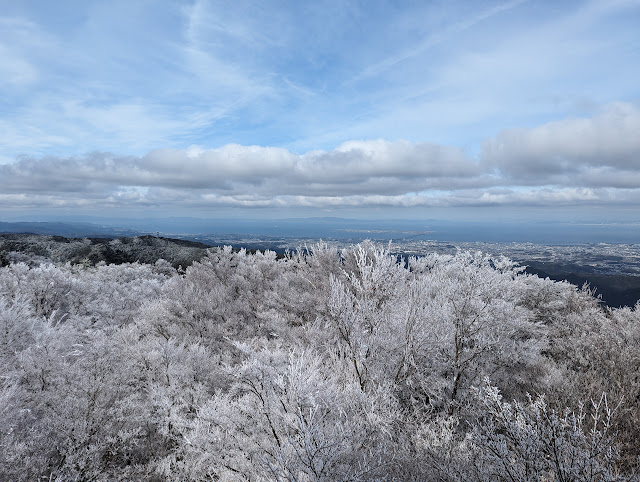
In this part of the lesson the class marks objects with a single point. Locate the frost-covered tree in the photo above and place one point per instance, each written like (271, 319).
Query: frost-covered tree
(286, 417)
(324, 364)
(532, 441)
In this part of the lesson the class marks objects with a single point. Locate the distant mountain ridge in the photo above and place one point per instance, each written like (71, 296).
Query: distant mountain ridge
(72, 230)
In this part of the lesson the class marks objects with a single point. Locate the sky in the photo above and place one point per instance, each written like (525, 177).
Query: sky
(464, 110)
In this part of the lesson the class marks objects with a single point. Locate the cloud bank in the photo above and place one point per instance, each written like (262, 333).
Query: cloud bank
(575, 161)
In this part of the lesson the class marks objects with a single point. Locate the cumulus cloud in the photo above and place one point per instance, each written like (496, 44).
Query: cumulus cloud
(599, 151)
(570, 162)
(372, 167)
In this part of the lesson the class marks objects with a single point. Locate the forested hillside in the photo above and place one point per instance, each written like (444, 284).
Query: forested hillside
(320, 365)
(34, 248)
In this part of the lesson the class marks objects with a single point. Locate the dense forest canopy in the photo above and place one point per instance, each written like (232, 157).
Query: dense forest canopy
(324, 364)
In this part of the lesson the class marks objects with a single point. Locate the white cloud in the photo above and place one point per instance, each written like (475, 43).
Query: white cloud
(432, 39)
(18, 40)
(357, 167)
(573, 162)
(14, 69)
(600, 151)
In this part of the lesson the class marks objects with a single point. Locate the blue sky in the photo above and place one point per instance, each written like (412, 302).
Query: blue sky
(425, 109)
